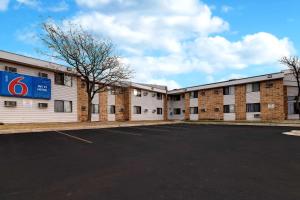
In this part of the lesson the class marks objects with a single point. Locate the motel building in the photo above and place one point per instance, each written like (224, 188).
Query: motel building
(33, 90)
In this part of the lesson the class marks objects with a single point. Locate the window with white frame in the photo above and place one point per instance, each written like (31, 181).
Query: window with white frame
(137, 109)
(229, 108)
(177, 111)
(159, 96)
(63, 79)
(253, 87)
(62, 106)
(159, 111)
(193, 110)
(137, 92)
(253, 107)
(111, 109)
(95, 108)
(194, 94)
(228, 90)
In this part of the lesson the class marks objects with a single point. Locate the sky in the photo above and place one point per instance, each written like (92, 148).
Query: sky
(170, 42)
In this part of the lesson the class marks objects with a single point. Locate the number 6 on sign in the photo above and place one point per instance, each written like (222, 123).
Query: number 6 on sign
(17, 82)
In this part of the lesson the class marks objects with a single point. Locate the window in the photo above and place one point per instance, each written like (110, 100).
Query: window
(137, 92)
(62, 106)
(253, 107)
(137, 109)
(159, 111)
(193, 110)
(63, 79)
(10, 104)
(253, 87)
(159, 96)
(228, 90)
(11, 69)
(229, 108)
(43, 105)
(269, 84)
(43, 75)
(111, 109)
(194, 94)
(175, 98)
(177, 111)
(95, 108)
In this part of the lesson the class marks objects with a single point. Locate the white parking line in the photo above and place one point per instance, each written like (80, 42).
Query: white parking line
(175, 127)
(74, 137)
(150, 129)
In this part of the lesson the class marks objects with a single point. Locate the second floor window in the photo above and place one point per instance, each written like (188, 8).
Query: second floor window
(194, 94)
(159, 96)
(177, 111)
(175, 98)
(228, 90)
(63, 79)
(137, 92)
(253, 87)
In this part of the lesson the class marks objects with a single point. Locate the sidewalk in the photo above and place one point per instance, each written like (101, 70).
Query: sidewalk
(43, 127)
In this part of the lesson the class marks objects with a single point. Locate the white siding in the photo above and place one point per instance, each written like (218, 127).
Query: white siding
(229, 99)
(253, 97)
(176, 104)
(27, 109)
(229, 116)
(193, 117)
(250, 116)
(111, 101)
(96, 117)
(148, 102)
(194, 103)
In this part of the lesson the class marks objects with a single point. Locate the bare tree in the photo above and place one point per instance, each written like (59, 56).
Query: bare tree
(93, 58)
(293, 63)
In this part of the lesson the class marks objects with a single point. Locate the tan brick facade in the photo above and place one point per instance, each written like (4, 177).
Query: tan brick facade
(103, 106)
(123, 99)
(82, 101)
(212, 101)
(187, 106)
(240, 102)
(165, 108)
(272, 94)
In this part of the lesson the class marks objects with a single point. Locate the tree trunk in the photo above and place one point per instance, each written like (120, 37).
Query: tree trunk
(89, 118)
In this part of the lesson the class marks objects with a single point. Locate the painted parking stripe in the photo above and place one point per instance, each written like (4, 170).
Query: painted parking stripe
(74, 137)
(122, 132)
(175, 127)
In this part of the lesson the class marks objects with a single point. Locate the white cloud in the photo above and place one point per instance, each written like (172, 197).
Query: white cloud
(4, 5)
(226, 8)
(62, 6)
(30, 3)
(171, 37)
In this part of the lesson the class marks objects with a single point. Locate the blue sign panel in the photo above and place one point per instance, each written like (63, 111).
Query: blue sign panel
(19, 85)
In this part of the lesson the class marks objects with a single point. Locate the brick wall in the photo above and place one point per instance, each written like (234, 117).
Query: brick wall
(211, 99)
(272, 95)
(82, 101)
(240, 102)
(103, 106)
(187, 106)
(165, 109)
(123, 104)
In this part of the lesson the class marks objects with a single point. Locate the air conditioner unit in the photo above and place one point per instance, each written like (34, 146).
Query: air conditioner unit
(256, 116)
(154, 111)
(153, 94)
(269, 76)
(43, 105)
(203, 110)
(10, 104)
(121, 110)
(43, 75)
(145, 93)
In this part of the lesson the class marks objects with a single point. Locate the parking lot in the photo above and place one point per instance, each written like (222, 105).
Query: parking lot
(186, 162)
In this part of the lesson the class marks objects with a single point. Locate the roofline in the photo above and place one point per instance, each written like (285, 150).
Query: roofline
(270, 76)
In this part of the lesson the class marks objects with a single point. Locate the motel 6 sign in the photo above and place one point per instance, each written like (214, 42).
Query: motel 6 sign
(19, 85)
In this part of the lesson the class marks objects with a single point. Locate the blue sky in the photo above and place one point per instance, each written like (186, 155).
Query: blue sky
(173, 42)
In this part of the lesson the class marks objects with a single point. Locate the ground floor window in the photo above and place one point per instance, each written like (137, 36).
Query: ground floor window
(177, 111)
(62, 106)
(95, 108)
(137, 109)
(253, 107)
(159, 111)
(229, 108)
(111, 109)
(193, 110)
